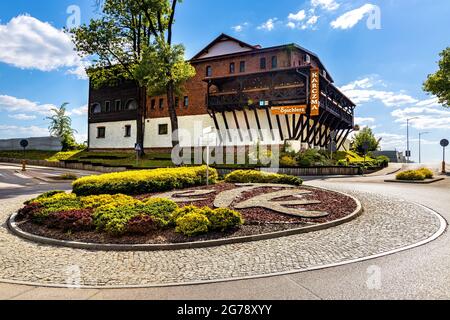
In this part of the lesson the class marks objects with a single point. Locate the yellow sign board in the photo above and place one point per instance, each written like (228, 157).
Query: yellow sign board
(286, 110)
(314, 99)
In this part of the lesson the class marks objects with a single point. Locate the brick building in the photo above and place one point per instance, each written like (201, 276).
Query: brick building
(248, 93)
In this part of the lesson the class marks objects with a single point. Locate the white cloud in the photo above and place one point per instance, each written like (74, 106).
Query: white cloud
(80, 137)
(28, 43)
(12, 131)
(21, 116)
(349, 19)
(81, 111)
(269, 25)
(313, 20)
(291, 25)
(362, 120)
(299, 16)
(13, 104)
(329, 5)
(240, 27)
(363, 91)
(430, 115)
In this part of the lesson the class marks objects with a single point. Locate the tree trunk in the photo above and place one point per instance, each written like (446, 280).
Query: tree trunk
(141, 111)
(173, 114)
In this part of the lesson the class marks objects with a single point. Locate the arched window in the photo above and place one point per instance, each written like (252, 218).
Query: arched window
(96, 108)
(131, 105)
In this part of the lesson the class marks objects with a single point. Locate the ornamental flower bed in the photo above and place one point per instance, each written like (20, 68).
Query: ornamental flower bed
(198, 213)
(119, 214)
(415, 175)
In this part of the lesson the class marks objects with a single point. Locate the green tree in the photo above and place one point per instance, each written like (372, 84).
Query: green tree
(438, 83)
(365, 137)
(132, 39)
(61, 127)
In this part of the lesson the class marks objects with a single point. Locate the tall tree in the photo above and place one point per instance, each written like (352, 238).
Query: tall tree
(61, 127)
(365, 137)
(132, 39)
(439, 82)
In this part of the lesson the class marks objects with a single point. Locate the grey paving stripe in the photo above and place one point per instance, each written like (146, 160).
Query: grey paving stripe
(386, 225)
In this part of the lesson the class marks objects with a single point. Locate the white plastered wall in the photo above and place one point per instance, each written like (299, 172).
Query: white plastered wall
(114, 137)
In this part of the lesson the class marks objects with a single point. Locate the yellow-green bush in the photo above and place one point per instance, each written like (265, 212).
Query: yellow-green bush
(427, 173)
(252, 176)
(161, 210)
(145, 181)
(181, 212)
(288, 161)
(412, 175)
(56, 203)
(192, 224)
(93, 202)
(223, 219)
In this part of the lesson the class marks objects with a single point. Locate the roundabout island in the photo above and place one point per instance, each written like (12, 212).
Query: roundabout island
(272, 225)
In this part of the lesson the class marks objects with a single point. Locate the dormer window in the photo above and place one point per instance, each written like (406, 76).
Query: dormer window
(307, 58)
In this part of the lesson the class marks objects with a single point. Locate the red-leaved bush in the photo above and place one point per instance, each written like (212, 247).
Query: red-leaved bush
(74, 220)
(29, 210)
(141, 224)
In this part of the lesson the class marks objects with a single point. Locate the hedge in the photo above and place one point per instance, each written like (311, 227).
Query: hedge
(143, 181)
(252, 176)
(416, 175)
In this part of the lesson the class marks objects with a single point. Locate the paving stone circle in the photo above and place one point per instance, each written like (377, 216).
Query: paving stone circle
(387, 224)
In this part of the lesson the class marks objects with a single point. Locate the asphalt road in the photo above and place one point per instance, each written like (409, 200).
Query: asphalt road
(420, 273)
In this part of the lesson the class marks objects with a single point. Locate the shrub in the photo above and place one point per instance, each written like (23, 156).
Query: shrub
(68, 176)
(410, 175)
(192, 224)
(288, 161)
(145, 181)
(427, 173)
(161, 210)
(141, 224)
(223, 218)
(73, 220)
(101, 200)
(29, 210)
(56, 203)
(181, 212)
(47, 194)
(383, 161)
(251, 176)
(311, 157)
(342, 163)
(112, 219)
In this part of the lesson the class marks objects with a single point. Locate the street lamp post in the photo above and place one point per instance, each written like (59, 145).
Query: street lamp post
(408, 151)
(420, 145)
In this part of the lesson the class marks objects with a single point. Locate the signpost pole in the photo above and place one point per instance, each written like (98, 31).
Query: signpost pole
(444, 144)
(24, 144)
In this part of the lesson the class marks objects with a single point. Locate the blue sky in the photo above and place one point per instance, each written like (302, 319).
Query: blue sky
(381, 69)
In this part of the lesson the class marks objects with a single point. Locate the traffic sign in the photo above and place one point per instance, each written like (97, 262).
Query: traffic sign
(444, 143)
(24, 143)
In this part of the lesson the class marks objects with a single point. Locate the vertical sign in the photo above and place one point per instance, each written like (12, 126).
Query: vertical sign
(315, 92)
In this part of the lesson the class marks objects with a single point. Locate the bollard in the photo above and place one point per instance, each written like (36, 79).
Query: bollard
(24, 165)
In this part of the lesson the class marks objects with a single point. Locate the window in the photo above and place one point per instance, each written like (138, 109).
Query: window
(101, 133)
(307, 58)
(274, 62)
(232, 67)
(107, 106)
(209, 71)
(262, 63)
(153, 104)
(127, 131)
(96, 108)
(161, 104)
(242, 66)
(177, 102)
(186, 102)
(131, 105)
(118, 105)
(163, 129)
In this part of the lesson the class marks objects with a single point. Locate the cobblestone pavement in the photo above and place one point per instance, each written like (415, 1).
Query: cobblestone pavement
(386, 225)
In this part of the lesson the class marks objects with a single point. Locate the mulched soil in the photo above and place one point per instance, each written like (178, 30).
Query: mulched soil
(257, 220)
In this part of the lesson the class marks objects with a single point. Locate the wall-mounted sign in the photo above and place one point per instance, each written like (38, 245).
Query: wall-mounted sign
(286, 110)
(314, 97)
